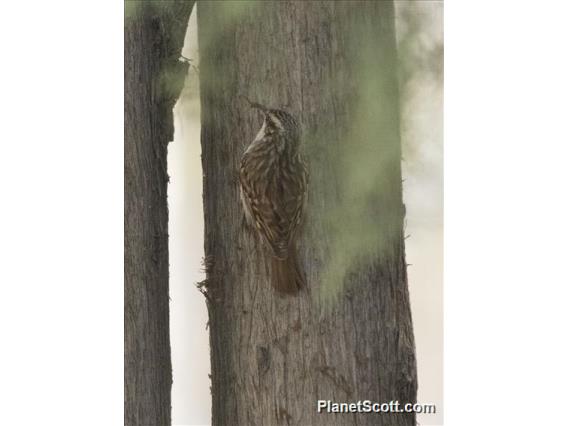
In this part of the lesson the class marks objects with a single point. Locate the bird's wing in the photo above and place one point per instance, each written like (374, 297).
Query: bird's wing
(294, 182)
(275, 197)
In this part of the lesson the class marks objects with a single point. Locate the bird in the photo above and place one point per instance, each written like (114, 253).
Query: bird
(273, 181)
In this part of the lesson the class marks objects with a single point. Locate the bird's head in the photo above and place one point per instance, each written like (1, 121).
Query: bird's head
(277, 121)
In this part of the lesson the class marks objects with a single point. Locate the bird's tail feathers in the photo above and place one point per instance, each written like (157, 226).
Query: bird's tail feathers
(287, 276)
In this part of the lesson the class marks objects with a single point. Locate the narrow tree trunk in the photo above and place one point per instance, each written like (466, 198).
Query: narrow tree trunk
(153, 38)
(349, 336)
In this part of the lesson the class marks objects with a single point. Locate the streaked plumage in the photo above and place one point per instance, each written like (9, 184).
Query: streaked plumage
(273, 181)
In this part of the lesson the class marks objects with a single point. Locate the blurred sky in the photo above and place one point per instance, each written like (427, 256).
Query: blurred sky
(420, 35)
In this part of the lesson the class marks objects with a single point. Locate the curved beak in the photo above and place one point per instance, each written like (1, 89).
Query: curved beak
(256, 105)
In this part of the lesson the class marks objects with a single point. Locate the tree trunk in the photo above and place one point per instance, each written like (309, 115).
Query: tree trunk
(153, 38)
(348, 337)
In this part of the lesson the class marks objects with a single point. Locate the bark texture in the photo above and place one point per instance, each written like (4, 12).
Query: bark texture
(273, 357)
(153, 76)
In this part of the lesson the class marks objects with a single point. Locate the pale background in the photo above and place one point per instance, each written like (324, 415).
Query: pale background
(422, 96)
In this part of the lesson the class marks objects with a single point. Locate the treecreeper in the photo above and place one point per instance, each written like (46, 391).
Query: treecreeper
(273, 181)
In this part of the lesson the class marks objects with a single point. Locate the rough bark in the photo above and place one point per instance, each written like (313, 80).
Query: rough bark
(153, 76)
(332, 64)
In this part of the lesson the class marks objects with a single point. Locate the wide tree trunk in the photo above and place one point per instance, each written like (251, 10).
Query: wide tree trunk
(348, 337)
(153, 76)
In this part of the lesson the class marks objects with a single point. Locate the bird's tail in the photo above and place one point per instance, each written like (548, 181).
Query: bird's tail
(287, 276)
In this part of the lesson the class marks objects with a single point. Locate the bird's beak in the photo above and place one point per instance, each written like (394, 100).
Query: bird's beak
(256, 105)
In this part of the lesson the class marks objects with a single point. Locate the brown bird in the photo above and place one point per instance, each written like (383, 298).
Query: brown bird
(274, 179)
